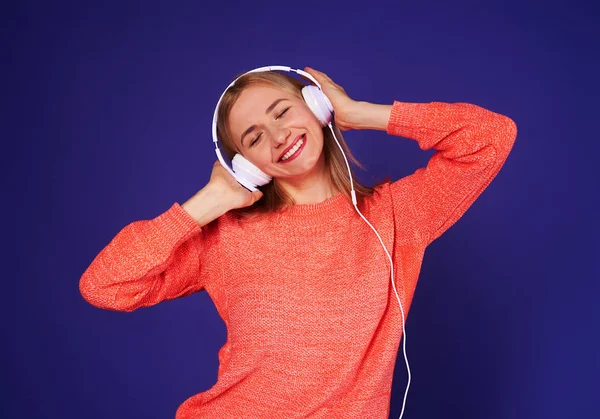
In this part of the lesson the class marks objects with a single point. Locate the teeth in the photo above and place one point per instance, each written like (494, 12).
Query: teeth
(294, 149)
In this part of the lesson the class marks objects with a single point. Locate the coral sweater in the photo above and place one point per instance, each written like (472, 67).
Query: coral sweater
(313, 323)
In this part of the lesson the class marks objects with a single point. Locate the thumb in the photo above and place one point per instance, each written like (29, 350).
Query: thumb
(256, 195)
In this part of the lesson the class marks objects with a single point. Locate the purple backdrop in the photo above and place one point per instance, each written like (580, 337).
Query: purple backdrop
(107, 112)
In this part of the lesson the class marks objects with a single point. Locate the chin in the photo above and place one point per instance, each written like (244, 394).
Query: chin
(304, 166)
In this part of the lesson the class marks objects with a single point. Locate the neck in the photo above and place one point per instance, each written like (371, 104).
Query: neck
(312, 188)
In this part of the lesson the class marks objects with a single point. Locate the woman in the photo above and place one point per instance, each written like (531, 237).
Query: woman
(298, 277)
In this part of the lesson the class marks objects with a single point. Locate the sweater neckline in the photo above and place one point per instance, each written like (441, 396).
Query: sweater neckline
(336, 203)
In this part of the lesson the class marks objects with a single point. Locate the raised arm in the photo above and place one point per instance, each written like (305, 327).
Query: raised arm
(170, 256)
(147, 262)
(472, 145)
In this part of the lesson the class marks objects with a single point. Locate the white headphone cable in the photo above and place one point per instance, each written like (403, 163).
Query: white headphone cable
(354, 202)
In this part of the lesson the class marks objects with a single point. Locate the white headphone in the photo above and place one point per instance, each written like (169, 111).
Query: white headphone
(251, 176)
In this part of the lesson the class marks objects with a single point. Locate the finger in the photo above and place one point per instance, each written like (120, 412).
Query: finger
(321, 78)
(318, 74)
(312, 73)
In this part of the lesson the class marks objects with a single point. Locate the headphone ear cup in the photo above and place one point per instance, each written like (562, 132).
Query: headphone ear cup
(318, 103)
(248, 174)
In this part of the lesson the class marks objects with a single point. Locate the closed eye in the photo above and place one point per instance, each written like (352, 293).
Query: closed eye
(281, 114)
(259, 135)
(255, 140)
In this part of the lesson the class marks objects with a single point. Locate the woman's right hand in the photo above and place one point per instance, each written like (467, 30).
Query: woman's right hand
(232, 193)
(221, 194)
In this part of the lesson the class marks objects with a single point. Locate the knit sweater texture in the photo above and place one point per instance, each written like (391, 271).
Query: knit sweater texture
(313, 323)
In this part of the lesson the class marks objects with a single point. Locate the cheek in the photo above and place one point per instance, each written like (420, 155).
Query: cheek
(261, 155)
(318, 138)
(312, 122)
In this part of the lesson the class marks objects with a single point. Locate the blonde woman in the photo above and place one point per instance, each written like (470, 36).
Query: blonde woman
(300, 280)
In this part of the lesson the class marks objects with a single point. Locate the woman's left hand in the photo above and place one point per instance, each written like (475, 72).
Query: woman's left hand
(343, 106)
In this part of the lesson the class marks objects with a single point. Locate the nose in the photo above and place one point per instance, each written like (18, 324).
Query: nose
(281, 136)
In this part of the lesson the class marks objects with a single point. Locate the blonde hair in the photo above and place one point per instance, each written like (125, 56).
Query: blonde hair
(274, 198)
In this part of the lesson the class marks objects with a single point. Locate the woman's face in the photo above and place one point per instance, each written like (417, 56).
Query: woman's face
(276, 131)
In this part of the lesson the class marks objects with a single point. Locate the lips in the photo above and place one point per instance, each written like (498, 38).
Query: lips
(290, 147)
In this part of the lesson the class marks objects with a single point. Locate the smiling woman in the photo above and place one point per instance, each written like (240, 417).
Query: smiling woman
(305, 292)
(264, 117)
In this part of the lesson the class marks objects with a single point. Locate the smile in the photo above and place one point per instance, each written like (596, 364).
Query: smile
(295, 150)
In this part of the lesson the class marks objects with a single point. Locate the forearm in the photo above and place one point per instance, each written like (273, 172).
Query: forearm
(372, 116)
(205, 206)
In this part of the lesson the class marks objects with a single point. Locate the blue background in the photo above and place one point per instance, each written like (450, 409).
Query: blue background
(106, 119)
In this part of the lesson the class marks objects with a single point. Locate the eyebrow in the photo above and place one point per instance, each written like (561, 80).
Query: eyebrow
(269, 109)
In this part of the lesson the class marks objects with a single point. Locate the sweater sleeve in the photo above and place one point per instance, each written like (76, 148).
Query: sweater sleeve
(471, 143)
(147, 262)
